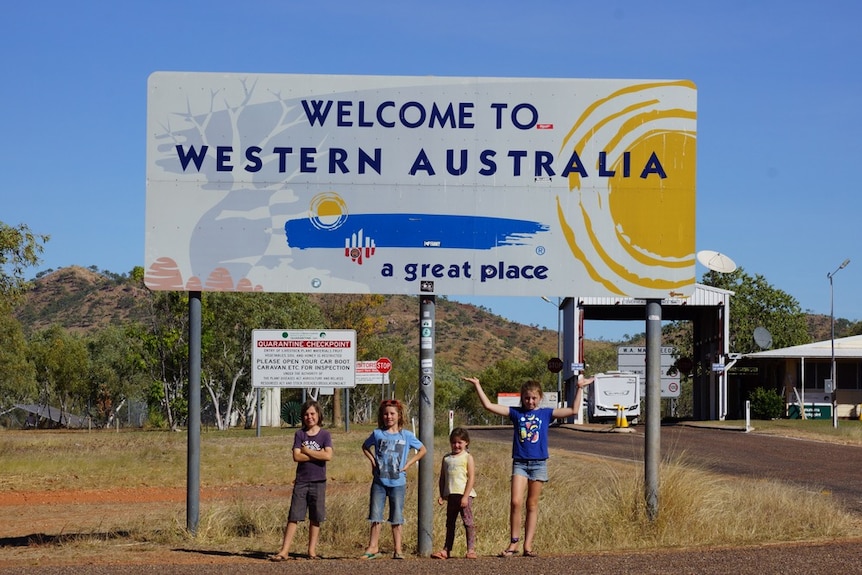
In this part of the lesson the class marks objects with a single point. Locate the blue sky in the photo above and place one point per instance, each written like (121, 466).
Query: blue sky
(779, 118)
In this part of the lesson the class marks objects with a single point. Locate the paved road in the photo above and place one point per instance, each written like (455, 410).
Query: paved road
(811, 464)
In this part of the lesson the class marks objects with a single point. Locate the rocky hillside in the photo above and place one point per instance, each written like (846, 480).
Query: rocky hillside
(468, 337)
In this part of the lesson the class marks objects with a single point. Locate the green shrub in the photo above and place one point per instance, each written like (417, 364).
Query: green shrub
(765, 403)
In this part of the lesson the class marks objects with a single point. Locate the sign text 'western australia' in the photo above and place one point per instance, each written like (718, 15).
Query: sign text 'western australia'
(343, 115)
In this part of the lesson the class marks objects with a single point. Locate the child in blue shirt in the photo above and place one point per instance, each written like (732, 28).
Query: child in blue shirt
(529, 454)
(388, 450)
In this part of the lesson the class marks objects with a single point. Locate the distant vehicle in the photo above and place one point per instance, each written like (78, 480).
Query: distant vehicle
(612, 389)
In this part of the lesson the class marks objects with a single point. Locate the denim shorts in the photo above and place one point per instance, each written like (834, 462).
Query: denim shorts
(379, 494)
(532, 469)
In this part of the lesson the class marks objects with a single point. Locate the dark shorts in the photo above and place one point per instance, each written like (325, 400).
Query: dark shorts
(308, 497)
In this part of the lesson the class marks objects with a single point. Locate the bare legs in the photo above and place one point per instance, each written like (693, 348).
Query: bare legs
(533, 489)
(290, 531)
(374, 539)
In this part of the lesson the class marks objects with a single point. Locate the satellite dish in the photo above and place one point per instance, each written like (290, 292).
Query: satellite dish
(716, 262)
(762, 337)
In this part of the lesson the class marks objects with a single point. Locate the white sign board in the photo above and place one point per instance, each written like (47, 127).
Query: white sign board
(549, 399)
(633, 359)
(303, 358)
(368, 374)
(410, 185)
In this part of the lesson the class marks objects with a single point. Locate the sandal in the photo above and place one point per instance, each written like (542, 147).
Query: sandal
(508, 553)
(471, 555)
(440, 555)
(530, 553)
(278, 558)
(397, 556)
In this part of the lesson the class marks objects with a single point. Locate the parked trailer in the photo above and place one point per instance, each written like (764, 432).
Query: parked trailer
(612, 389)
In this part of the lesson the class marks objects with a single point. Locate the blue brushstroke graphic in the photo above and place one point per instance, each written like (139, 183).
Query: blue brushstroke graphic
(416, 230)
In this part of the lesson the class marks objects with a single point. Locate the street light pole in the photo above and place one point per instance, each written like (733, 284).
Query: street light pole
(832, 325)
(559, 350)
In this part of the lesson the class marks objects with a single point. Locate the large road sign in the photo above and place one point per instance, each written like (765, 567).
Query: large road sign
(409, 185)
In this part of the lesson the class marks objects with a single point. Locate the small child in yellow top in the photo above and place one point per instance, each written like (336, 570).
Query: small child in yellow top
(457, 476)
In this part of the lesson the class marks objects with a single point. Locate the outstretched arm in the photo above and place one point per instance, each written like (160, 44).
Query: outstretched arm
(483, 399)
(572, 410)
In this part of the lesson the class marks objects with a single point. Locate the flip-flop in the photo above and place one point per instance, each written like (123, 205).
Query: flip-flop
(530, 553)
(440, 555)
(278, 558)
(508, 553)
(368, 555)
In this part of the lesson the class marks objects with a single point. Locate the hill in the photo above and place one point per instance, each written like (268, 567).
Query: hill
(468, 337)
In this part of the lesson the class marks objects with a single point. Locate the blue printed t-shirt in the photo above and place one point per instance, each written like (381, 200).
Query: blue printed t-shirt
(391, 453)
(531, 432)
(311, 470)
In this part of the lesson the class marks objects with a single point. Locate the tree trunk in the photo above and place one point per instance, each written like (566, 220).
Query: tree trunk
(337, 419)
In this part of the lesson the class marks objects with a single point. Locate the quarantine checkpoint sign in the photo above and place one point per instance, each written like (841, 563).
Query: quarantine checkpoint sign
(303, 358)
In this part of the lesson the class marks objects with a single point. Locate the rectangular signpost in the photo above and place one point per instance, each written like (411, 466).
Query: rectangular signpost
(408, 185)
(303, 358)
(367, 373)
(633, 359)
(419, 185)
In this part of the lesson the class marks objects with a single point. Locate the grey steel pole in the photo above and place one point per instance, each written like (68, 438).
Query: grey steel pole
(427, 307)
(193, 471)
(832, 326)
(832, 363)
(258, 412)
(652, 435)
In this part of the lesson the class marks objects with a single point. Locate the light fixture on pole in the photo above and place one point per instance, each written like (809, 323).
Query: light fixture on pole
(832, 324)
(559, 350)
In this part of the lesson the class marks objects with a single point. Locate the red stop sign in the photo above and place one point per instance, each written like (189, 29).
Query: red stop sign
(555, 365)
(384, 364)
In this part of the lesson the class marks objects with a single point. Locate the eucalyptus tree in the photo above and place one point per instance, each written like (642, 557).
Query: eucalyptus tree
(162, 338)
(117, 374)
(228, 321)
(62, 365)
(356, 312)
(17, 373)
(756, 303)
(19, 249)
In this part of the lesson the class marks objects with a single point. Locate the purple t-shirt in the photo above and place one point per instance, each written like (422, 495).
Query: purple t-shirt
(311, 470)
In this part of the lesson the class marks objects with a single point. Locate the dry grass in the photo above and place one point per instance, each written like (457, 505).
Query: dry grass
(589, 503)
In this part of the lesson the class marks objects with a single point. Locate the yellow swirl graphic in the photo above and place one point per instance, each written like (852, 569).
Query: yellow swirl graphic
(634, 228)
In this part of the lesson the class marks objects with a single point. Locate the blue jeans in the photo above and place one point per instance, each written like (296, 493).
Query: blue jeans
(379, 494)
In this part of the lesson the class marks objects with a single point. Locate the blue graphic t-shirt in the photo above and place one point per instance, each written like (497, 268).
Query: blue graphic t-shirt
(391, 453)
(531, 432)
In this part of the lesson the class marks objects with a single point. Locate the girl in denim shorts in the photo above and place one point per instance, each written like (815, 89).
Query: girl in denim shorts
(529, 454)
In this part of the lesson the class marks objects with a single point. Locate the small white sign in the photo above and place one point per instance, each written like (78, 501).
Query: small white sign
(368, 374)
